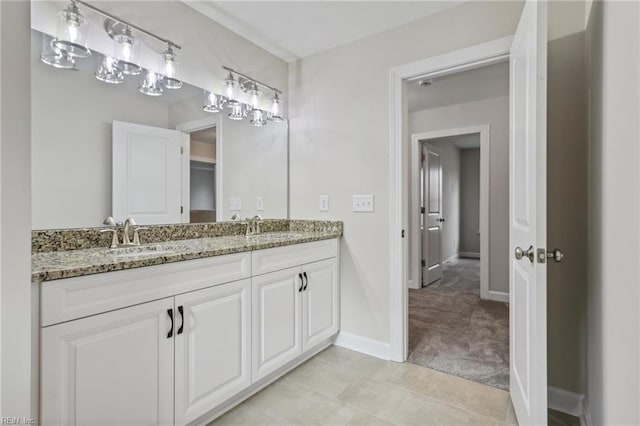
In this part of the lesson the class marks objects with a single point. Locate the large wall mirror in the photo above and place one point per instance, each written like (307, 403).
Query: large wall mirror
(102, 149)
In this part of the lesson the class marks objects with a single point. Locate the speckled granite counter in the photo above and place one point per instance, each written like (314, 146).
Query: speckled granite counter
(53, 265)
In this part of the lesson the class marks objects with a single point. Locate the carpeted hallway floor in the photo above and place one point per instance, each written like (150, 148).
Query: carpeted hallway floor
(452, 330)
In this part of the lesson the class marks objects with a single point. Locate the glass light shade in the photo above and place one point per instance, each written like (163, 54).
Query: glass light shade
(237, 112)
(54, 56)
(151, 84)
(169, 66)
(256, 96)
(257, 118)
(71, 35)
(232, 91)
(276, 114)
(213, 102)
(126, 49)
(109, 72)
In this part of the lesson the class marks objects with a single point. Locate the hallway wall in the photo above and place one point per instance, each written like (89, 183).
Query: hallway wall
(470, 200)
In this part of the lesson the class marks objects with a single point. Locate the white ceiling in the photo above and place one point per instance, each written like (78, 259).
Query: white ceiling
(481, 83)
(461, 141)
(293, 30)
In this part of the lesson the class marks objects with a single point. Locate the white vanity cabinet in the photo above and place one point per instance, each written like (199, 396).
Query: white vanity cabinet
(180, 343)
(213, 348)
(115, 368)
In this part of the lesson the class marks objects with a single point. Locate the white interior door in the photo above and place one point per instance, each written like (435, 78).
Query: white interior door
(527, 216)
(432, 225)
(146, 174)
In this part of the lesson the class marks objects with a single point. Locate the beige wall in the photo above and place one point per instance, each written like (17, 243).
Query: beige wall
(340, 141)
(495, 112)
(17, 355)
(567, 211)
(470, 200)
(613, 295)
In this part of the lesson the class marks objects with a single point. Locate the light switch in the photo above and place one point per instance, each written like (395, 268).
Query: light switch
(324, 203)
(259, 204)
(235, 204)
(363, 203)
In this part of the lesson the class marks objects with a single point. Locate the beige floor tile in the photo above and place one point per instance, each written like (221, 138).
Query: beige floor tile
(358, 362)
(423, 411)
(511, 419)
(373, 397)
(364, 419)
(243, 415)
(472, 396)
(324, 378)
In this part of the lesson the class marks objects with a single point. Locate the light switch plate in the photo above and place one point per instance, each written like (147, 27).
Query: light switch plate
(324, 203)
(235, 204)
(363, 203)
(259, 204)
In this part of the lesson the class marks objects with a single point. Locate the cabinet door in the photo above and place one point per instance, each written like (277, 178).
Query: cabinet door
(114, 368)
(276, 320)
(212, 348)
(320, 314)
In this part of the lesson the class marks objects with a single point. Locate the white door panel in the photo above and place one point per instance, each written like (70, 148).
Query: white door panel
(146, 174)
(212, 348)
(527, 201)
(432, 234)
(114, 368)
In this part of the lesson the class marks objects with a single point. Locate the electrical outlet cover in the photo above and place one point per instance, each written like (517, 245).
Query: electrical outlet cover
(324, 203)
(259, 204)
(235, 204)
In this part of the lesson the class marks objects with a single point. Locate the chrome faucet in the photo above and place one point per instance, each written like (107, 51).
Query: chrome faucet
(253, 225)
(129, 223)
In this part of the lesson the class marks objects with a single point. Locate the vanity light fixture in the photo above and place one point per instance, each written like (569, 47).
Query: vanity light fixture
(169, 77)
(109, 72)
(71, 35)
(55, 57)
(237, 112)
(125, 48)
(276, 115)
(256, 96)
(232, 91)
(151, 84)
(257, 118)
(213, 102)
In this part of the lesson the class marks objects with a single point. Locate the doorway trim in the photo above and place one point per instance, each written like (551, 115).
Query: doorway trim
(194, 126)
(485, 149)
(459, 60)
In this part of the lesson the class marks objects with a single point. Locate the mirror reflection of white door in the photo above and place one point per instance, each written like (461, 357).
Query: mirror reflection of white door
(527, 216)
(146, 174)
(432, 234)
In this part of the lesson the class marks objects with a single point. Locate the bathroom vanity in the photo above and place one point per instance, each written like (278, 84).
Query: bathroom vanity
(178, 332)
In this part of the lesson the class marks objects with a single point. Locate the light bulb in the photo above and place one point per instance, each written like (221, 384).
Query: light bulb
(275, 109)
(213, 102)
(256, 96)
(258, 118)
(169, 60)
(108, 72)
(150, 85)
(231, 90)
(125, 50)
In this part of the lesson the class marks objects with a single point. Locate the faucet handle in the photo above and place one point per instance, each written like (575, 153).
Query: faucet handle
(136, 236)
(114, 236)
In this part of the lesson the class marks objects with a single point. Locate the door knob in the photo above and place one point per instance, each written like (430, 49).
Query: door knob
(555, 254)
(521, 253)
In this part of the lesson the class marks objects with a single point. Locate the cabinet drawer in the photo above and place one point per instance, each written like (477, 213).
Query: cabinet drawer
(68, 299)
(278, 258)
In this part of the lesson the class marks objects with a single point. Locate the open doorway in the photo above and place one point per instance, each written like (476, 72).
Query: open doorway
(458, 315)
(202, 179)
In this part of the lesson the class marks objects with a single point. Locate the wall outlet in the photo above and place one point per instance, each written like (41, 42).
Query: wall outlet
(235, 204)
(363, 203)
(324, 203)
(259, 204)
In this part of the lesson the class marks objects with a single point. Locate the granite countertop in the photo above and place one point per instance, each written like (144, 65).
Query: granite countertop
(56, 265)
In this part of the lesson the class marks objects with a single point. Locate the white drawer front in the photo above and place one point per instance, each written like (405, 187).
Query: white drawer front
(278, 258)
(68, 299)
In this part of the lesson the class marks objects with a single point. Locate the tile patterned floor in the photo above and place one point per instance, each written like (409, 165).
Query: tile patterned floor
(343, 387)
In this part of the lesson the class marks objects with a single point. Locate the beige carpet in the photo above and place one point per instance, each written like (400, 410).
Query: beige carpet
(452, 330)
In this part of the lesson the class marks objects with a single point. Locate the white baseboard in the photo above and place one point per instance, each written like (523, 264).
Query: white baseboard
(585, 417)
(363, 344)
(414, 284)
(469, 254)
(565, 401)
(454, 257)
(498, 296)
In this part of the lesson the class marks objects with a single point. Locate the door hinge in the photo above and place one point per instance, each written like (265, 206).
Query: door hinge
(423, 263)
(422, 210)
(181, 209)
